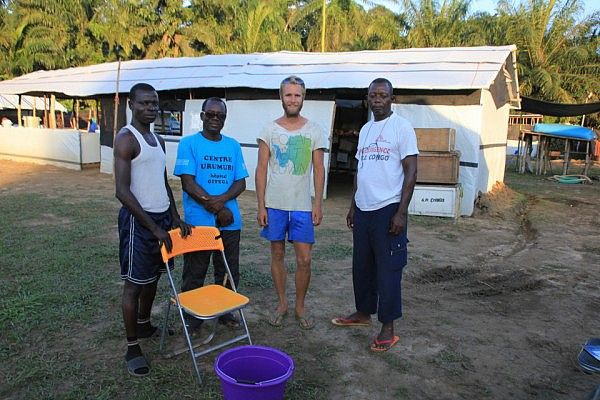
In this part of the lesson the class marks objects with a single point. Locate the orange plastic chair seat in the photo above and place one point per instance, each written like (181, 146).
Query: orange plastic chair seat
(212, 300)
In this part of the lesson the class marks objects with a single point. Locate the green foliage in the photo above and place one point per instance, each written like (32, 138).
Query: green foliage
(558, 48)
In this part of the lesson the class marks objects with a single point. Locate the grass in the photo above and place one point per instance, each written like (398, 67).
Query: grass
(62, 333)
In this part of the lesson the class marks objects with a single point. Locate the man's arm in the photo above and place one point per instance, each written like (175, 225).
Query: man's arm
(195, 191)
(260, 180)
(185, 228)
(350, 215)
(319, 181)
(124, 150)
(398, 223)
(215, 204)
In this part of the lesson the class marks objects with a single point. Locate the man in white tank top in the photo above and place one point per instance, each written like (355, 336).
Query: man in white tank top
(147, 214)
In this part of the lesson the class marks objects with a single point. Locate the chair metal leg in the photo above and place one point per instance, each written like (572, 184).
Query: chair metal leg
(245, 326)
(190, 346)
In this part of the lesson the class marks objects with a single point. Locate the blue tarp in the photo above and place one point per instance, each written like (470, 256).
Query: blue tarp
(568, 131)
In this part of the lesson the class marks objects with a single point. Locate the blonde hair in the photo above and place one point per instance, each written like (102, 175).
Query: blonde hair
(292, 80)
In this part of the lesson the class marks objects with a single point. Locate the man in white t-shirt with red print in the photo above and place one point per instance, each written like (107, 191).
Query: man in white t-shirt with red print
(383, 186)
(289, 148)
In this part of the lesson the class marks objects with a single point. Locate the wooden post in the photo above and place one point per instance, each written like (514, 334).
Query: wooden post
(45, 110)
(76, 114)
(116, 104)
(323, 25)
(588, 159)
(89, 120)
(567, 156)
(19, 113)
(52, 111)
(34, 111)
(97, 113)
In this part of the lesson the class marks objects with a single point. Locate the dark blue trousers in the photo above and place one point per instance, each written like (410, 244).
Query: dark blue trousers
(378, 259)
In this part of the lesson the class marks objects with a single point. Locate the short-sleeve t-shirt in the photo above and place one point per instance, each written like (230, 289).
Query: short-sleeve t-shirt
(290, 164)
(382, 145)
(215, 166)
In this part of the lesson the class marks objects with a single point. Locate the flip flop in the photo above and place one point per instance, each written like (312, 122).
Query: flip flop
(276, 319)
(305, 322)
(136, 364)
(387, 344)
(343, 321)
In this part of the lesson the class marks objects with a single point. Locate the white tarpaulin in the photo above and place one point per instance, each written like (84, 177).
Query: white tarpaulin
(61, 147)
(431, 68)
(11, 102)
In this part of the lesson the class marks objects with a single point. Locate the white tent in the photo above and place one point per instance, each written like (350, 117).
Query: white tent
(11, 102)
(469, 89)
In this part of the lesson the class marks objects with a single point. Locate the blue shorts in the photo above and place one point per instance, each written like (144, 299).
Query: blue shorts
(297, 224)
(139, 253)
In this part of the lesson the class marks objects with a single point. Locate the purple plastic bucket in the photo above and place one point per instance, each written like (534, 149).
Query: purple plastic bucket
(254, 373)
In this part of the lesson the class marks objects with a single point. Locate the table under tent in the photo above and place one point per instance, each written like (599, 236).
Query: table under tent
(556, 141)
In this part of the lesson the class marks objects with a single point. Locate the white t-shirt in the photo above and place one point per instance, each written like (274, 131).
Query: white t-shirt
(382, 145)
(290, 164)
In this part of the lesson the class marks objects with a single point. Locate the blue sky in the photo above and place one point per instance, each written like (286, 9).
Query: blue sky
(489, 5)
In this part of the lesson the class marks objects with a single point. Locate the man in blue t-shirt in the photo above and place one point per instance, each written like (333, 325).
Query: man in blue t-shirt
(213, 175)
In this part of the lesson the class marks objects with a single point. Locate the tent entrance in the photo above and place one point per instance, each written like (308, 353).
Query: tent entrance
(350, 116)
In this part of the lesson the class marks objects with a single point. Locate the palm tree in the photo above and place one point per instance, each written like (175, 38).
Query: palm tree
(51, 34)
(243, 26)
(438, 24)
(121, 26)
(558, 56)
(165, 31)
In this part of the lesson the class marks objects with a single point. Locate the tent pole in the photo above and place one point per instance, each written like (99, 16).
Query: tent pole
(52, 116)
(76, 112)
(19, 113)
(323, 25)
(33, 107)
(116, 111)
(45, 110)
(589, 96)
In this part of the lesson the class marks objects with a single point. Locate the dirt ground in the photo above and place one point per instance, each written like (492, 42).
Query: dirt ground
(495, 306)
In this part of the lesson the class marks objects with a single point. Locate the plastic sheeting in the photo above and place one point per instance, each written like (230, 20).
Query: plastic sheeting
(60, 147)
(11, 102)
(556, 109)
(431, 69)
(567, 131)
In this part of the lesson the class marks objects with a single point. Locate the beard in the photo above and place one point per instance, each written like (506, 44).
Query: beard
(292, 111)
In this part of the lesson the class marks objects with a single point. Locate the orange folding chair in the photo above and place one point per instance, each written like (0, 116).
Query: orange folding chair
(207, 302)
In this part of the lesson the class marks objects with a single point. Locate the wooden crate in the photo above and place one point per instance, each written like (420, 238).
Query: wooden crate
(438, 167)
(435, 139)
(436, 201)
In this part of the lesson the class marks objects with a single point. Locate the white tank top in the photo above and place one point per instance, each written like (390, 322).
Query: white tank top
(147, 175)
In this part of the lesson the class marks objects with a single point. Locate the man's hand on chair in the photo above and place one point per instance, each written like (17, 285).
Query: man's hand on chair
(184, 228)
(163, 238)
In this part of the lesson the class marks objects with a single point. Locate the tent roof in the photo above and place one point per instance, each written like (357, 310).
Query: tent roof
(11, 101)
(428, 68)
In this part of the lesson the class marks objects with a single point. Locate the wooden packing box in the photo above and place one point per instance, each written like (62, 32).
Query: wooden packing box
(435, 139)
(438, 167)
